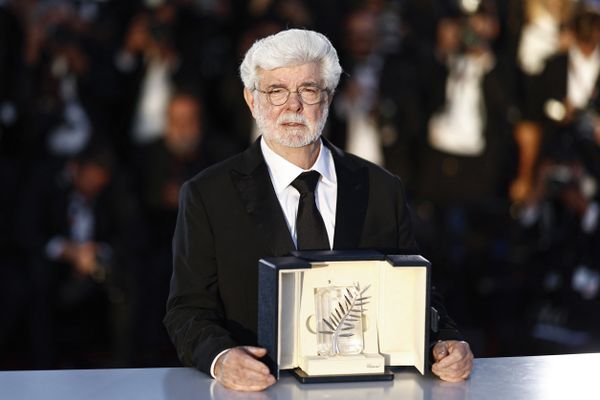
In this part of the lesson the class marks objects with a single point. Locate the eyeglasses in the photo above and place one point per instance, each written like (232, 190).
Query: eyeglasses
(308, 95)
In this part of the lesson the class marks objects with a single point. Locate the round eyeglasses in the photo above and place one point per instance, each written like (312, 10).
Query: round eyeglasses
(308, 95)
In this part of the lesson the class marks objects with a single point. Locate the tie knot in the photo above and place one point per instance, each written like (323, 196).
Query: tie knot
(306, 182)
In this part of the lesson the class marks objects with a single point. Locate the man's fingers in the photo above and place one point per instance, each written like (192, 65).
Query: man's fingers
(466, 374)
(252, 364)
(450, 359)
(440, 350)
(454, 363)
(247, 386)
(242, 388)
(457, 365)
(247, 380)
(452, 379)
(240, 370)
(241, 358)
(455, 351)
(456, 369)
(454, 375)
(256, 351)
(257, 378)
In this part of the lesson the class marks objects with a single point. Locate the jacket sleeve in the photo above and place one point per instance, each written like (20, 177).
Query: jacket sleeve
(446, 327)
(195, 318)
(406, 237)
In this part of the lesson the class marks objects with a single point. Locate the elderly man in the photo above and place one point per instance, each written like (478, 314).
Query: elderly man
(290, 190)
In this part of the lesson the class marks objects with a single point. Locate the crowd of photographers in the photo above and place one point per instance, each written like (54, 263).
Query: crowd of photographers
(487, 110)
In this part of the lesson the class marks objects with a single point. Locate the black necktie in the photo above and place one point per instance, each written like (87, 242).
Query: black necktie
(310, 228)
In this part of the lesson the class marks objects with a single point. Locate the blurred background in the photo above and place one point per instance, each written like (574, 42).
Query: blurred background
(488, 111)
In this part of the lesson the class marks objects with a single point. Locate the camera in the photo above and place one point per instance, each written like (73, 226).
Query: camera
(558, 178)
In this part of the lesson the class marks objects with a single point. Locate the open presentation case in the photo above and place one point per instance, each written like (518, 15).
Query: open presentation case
(344, 316)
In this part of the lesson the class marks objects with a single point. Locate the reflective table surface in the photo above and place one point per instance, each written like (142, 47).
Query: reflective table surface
(540, 377)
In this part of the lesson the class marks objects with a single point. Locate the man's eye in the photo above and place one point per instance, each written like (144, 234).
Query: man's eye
(309, 90)
(277, 91)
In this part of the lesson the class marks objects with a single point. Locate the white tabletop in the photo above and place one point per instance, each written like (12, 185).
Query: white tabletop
(512, 378)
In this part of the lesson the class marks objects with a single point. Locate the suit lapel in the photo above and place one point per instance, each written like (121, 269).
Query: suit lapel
(254, 186)
(256, 192)
(352, 200)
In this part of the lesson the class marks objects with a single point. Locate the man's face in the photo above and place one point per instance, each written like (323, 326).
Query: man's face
(90, 179)
(361, 34)
(292, 124)
(183, 130)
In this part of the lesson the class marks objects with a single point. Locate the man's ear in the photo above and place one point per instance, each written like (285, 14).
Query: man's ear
(249, 97)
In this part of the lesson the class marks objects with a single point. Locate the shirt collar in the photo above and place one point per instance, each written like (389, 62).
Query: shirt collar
(579, 59)
(284, 172)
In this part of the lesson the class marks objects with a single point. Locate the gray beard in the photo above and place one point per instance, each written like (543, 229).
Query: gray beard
(294, 138)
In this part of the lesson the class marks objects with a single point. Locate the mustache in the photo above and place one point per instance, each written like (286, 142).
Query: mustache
(292, 118)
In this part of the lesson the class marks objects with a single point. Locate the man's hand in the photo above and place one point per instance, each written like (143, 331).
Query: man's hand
(82, 256)
(453, 360)
(239, 369)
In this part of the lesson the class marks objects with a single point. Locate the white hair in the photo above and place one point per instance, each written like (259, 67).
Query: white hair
(290, 48)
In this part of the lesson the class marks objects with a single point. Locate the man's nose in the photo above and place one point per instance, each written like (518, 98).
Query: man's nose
(294, 103)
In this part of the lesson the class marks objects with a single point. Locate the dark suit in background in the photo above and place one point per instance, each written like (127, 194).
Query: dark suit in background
(73, 315)
(160, 175)
(560, 247)
(573, 137)
(230, 217)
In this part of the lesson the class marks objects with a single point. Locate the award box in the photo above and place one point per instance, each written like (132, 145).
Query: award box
(383, 297)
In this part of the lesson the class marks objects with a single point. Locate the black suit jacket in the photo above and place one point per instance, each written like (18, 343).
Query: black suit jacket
(44, 212)
(565, 141)
(230, 217)
(553, 85)
(474, 178)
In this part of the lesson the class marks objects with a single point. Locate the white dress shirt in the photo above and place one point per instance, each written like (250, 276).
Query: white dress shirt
(151, 114)
(458, 128)
(283, 173)
(582, 76)
(539, 40)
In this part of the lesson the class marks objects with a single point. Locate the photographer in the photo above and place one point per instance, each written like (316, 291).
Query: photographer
(569, 102)
(463, 144)
(560, 257)
(464, 102)
(149, 67)
(77, 227)
(568, 94)
(558, 237)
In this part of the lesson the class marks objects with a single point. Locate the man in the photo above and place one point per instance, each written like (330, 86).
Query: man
(163, 165)
(568, 99)
(75, 225)
(244, 209)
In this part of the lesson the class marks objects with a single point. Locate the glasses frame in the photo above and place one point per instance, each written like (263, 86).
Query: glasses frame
(297, 91)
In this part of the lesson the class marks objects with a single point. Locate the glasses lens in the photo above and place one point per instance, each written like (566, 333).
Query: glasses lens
(310, 95)
(278, 96)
